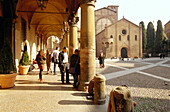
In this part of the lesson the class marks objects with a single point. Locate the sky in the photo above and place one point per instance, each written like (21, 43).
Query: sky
(140, 10)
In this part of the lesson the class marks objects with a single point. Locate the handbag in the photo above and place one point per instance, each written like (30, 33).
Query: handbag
(72, 70)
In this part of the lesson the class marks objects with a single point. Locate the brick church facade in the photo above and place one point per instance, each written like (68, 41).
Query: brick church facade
(117, 38)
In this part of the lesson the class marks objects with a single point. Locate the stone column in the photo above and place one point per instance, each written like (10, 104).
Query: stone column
(67, 38)
(51, 44)
(41, 41)
(61, 44)
(73, 35)
(64, 40)
(87, 44)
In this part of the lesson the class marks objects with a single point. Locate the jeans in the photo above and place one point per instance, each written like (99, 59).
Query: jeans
(64, 69)
(55, 67)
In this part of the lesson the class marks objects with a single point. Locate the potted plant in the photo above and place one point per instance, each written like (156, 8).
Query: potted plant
(7, 69)
(24, 62)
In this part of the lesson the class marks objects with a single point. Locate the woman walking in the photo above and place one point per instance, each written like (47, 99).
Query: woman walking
(48, 61)
(41, 61)
(101, 60)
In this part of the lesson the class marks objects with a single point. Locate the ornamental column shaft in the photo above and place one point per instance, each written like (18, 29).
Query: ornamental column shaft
(73, 35)
(64, 40)
(87, 44)
(67, 38)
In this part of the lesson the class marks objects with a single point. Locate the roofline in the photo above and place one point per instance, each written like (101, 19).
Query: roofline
(100, 32)
(116, 23)
(167, 23)
(106, 8)
(113, 5)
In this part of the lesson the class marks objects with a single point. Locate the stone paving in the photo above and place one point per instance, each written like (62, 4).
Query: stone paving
(148, 80)
(149, 83)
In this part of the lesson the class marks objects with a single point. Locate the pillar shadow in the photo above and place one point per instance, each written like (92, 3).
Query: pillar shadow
(43, 88)
(79, 94)
(75, 102)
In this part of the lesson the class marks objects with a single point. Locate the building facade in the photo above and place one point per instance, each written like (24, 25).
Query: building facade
(167, 29)
(167, 32)
(121, 38)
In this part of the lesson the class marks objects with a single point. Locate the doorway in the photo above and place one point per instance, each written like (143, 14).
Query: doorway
(124, 53)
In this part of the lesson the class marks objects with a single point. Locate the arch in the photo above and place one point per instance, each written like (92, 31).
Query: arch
(101, 25)
(124, 52)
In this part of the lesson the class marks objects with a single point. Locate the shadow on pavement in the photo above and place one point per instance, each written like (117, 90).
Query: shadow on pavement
(79, 94)
(75, 102)
(45, 88)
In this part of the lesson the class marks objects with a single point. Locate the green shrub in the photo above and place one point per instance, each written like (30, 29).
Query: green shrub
(25, 58)
(6, 59)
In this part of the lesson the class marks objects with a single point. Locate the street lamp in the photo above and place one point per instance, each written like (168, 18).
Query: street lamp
(42, 3)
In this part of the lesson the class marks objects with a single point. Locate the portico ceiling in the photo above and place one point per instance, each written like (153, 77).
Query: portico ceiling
(48, 21)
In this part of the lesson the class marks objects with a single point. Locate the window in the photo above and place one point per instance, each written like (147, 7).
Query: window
(114, 9)
(111, 36)
(128, 37)
(135, 37)
(120, 37)
(124, 32)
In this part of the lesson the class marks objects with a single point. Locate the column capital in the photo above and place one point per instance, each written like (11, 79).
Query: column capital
(90, 2)
(66, 30)
(73, 21)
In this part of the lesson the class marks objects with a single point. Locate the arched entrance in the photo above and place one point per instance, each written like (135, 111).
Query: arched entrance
(124, 53)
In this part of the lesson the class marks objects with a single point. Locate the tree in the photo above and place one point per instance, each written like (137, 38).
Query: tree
(150, 38)
(159, 38)
(144, 39)
(6, 59)
(25, 58)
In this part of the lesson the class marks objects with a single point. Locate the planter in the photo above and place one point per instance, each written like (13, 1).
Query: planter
(7, 80)
(23, 70)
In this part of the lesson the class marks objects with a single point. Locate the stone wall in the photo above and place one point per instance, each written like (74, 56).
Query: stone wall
(104, 16)
(167, 29)
(31, 39)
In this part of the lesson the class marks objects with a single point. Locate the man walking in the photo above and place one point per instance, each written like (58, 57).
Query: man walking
(55, 56)
(64, 65)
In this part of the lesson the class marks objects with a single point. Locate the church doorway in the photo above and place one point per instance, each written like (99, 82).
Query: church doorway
(124, 53)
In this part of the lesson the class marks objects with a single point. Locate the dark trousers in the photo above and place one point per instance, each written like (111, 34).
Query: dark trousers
(75, 85)
(41, 67)
(64, 69)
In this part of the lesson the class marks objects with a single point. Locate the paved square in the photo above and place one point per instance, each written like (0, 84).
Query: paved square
(148, 81)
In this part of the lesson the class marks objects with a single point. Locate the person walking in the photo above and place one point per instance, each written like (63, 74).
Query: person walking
(101, 60)
(64, 65)
(75, 67)
(55, 59)
(41, 61)
(48, 61)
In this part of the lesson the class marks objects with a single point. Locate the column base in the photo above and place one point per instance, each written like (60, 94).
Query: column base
(83, 86)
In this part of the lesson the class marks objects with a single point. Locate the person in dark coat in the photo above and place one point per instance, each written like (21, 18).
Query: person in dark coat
(101, 60)
(64, 65)
(75, 62)
(41, 61)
